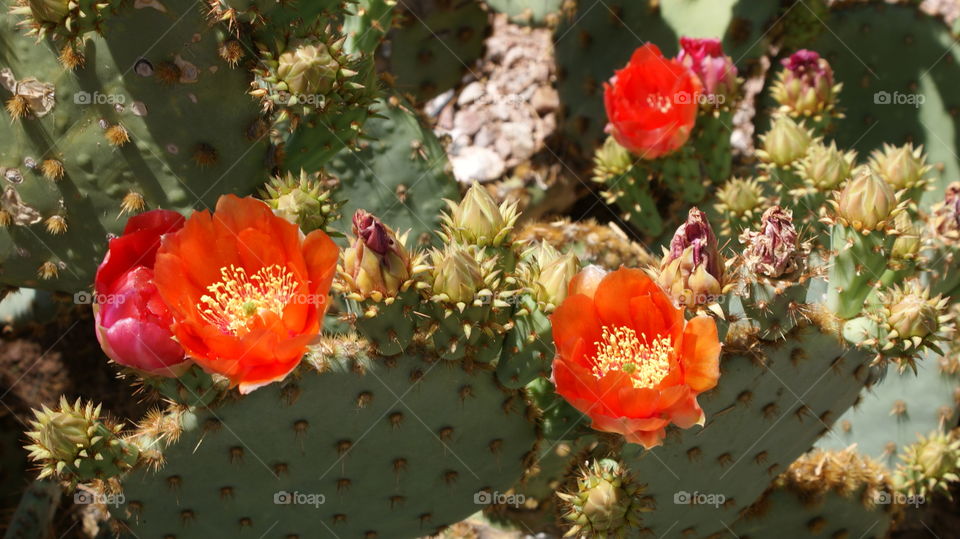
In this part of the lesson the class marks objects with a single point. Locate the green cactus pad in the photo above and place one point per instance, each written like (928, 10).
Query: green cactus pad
(766, 412)
(393, 448)
(536, 12)
(894, 412)
(402, 175)
(435, 44)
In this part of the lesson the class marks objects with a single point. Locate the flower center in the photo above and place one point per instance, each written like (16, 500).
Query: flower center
(238, 299)
(659, 102)
(620, 349)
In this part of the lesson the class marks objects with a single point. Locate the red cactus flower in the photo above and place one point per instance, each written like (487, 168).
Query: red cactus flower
(627, 358)
(133, 323)
(246, 289)
(652, 103)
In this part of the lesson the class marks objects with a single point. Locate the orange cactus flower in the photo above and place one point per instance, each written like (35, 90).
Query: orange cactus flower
(627, 358)
(246, 289)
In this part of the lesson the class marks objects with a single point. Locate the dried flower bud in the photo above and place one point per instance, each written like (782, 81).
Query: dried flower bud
(945, 221)
(774, 251)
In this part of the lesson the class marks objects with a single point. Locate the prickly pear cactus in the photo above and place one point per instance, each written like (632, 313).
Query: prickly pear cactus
(123, 107)
(436, 433)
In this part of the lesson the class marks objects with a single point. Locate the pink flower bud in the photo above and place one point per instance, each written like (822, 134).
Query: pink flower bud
(716, 70)
(133, 323)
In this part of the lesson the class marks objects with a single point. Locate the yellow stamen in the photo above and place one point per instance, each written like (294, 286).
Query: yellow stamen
(620, 349)
(659, 102)
(238, 299)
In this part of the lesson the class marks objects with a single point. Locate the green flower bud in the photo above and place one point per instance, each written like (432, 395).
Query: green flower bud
(478, 220)
(910, 312)
(866, 202)
(64, 433)
(376, 264)
(903, 167)
(457, 273)
(308, 68)
(907, 244)
(605, 503)
(49, 11)
(825, 167)
(785, 142)
(740, 197)
(929, 465)
(305, 201)
(611, 161)
(550, 273)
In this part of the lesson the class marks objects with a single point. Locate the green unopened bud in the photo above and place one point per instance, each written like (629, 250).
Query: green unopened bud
(931, 464)
(551, 273)
(740, 197)
(910, 312)
(692, 271)
(308, 68)
(611, 161)
(303, 200)
(64, 433)
(825, 167)
(478, 220)
(605, 503)
(902, 167)
(907, 244)
(50, 11)
(457, 273)
(866, 202)
(376, 264)
(785, 142)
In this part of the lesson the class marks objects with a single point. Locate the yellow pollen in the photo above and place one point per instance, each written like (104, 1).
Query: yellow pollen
(659, 102)
(237, 299)
(647, 362)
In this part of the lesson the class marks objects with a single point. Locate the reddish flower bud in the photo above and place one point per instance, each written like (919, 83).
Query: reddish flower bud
(716, 70)
(652, 103)
(692, 270)
(805, 86)
(133, 323)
